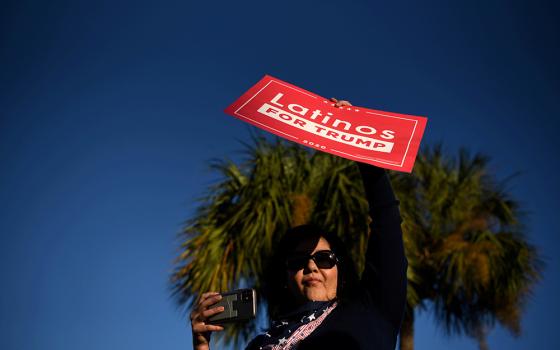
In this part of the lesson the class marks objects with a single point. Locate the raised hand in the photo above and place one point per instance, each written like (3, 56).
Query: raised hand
(340, 103)
(201, 331)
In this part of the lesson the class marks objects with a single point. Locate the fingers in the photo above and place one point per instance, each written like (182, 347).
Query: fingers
(211, 312)
(209, 300)
(340, 103)
(199, 316)
(202, 314)
(207, 295)
(203, 328)
(213, 328)
(203, 310)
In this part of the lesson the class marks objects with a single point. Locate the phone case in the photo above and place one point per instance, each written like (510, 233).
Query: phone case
(239, 305)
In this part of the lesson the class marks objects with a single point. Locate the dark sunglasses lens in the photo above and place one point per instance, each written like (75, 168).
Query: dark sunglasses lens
(324, 260)
(296, 262)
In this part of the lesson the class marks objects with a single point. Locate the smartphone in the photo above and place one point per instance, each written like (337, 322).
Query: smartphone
(239, 305)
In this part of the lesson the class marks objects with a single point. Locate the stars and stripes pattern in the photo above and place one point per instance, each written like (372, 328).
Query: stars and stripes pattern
(291, 335)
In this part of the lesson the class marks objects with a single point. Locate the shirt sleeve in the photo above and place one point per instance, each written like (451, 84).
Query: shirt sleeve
(384, 275)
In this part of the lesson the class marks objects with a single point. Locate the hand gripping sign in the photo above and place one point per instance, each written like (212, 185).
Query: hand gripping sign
(384, 139)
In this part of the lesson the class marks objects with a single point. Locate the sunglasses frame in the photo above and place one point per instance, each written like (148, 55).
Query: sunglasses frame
(332, 257)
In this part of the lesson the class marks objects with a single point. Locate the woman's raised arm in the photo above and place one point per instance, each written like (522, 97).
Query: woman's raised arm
(384, 275)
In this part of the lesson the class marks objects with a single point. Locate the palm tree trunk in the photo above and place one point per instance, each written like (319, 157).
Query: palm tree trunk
(301, 209)
(481, 338)
(407, 331)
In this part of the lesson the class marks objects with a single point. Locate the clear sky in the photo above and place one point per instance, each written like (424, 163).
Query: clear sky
(111, 111)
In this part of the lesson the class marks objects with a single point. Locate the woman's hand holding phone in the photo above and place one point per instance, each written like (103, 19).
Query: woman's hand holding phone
(201, 330)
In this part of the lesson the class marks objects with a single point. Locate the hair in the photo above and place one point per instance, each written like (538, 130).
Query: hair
(274, 287)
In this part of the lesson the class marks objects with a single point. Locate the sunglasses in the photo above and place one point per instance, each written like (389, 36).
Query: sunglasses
(324, 259)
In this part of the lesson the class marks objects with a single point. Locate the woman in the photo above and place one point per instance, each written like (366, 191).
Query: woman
(314, 294)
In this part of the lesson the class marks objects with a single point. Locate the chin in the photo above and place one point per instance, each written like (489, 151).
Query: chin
(317, 296)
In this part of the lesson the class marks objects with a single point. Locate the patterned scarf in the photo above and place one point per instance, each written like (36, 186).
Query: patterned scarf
(284, 327)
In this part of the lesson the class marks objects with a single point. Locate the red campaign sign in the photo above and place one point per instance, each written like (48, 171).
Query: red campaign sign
(385, 139)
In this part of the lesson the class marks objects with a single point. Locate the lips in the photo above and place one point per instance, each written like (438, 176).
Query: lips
(311, 281)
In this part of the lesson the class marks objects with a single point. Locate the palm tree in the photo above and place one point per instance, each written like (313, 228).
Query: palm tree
(463, 239)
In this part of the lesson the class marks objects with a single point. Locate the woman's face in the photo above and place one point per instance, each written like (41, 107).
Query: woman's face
(311, 283)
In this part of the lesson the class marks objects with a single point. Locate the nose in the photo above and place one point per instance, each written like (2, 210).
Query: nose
(311, 266)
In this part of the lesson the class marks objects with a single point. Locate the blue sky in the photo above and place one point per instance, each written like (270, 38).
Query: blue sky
(111, 111)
